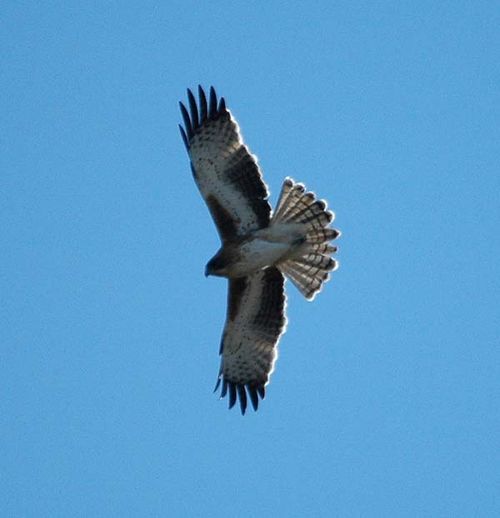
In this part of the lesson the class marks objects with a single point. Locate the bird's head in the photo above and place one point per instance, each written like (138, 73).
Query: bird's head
(217, 265)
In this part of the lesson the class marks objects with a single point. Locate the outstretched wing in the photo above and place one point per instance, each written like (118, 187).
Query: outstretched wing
(225, 171)
(255, 321)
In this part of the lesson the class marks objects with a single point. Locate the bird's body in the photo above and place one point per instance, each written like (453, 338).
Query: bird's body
(259, 247)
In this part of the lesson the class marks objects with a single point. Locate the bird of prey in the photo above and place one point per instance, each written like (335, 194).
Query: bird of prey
(259, 247)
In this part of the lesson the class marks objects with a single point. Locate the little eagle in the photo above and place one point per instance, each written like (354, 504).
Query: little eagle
(259, 247)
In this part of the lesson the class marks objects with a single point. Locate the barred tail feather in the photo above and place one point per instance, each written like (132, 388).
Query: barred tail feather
(290, 191)
(323, 248)
(314, 261)
(310, 270)
(307, 279)
(295, 205)
(322, 235)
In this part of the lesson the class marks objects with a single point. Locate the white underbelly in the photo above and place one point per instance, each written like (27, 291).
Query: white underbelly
(258, 254)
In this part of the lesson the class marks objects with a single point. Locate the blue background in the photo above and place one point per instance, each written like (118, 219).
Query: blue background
(385, 399)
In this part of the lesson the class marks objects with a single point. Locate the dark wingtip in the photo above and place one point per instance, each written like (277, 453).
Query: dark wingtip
(222, 105)
(232, 394)
(223, 391)
(212, 108)
(243, 398)
(184, 137)
(240, 393)
(203, 104)
(254, 398)
(194, 109)
(187, 121)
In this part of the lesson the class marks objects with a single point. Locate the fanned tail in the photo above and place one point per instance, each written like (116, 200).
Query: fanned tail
(297, 206)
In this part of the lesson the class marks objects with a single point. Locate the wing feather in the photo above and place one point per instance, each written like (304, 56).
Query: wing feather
(194, 110)
(213, 104)
(187, 121)
(203, 105)
(255, 321)
(226, 173)
(184, 137)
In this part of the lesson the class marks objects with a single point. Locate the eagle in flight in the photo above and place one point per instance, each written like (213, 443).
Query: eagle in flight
(259, 247)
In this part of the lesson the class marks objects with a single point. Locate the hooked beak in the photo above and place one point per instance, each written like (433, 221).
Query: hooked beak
(207, 273)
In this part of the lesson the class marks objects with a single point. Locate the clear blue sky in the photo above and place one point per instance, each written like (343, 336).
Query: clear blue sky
(385, 399)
